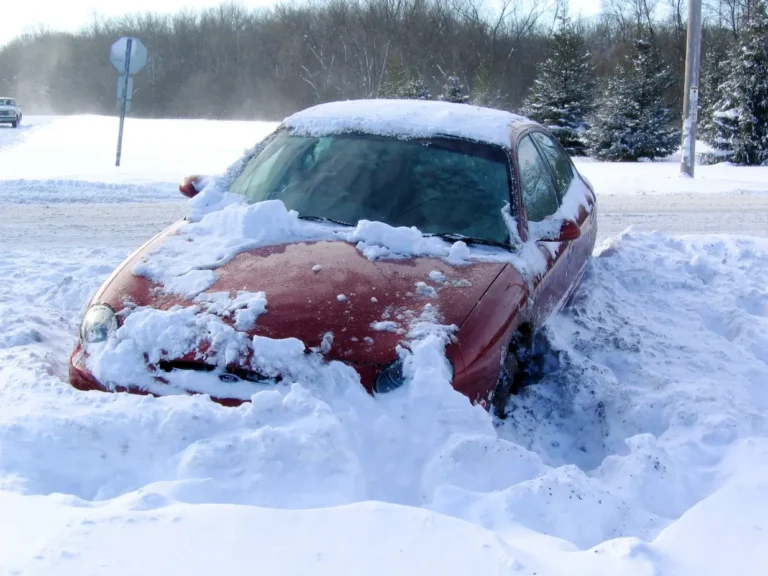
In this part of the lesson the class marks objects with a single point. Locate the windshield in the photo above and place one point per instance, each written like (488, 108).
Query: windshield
(7, 102)
(439, 185)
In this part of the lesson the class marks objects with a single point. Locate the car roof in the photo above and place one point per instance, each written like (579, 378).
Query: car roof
(407, 119)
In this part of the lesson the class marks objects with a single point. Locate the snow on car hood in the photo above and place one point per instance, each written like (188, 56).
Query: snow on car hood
(308, 289)
(222, 225)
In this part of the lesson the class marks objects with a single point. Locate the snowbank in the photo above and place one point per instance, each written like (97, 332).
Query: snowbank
(612, 178)
(72, 158)
(643, 450)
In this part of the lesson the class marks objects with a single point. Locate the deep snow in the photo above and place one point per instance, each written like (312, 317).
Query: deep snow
(642, 451)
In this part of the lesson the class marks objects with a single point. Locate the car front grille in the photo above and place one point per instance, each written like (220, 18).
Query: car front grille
(231, 374)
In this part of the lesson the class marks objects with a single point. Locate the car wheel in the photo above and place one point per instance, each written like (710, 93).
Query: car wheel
(14, 124)
(514, 368)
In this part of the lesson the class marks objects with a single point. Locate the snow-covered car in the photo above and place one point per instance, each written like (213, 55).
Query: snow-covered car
(396, 207)
(10, 113)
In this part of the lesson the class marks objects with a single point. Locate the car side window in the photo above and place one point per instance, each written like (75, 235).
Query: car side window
(539, 196)
(561, 165)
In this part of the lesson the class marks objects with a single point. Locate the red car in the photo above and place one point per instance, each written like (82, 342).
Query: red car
(446, 169)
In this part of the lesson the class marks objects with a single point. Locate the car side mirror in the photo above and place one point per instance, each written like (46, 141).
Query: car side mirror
(555, 230)
(191, 185)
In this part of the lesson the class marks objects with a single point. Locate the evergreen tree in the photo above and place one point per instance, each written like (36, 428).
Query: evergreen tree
(453, 91)
(413, 89)
(404, 84)
(485, 94)
(738, 129)
(562, 94)
(632, 121)
(714, 71)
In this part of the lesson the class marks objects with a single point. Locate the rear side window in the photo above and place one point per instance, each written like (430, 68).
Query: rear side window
(539, 196)
(561, 165)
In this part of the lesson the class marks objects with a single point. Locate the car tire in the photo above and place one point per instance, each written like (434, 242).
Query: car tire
(514, 369)
(14, 124)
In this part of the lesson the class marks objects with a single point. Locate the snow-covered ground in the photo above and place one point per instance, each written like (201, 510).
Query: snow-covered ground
(642, 452)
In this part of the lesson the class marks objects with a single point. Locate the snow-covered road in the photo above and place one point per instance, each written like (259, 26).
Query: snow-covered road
(644, 451)
(44, 225)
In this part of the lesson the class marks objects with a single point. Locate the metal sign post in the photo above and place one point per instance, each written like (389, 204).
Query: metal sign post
(128, 46)
(128, 56)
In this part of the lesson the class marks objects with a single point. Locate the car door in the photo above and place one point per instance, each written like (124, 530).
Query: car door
(540, 201)
(577, 251)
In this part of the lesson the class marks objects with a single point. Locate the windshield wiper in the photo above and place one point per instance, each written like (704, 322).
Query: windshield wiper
(453, 237)
(323, 219)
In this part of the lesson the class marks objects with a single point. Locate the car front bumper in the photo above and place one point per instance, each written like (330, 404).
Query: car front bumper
(82, 378)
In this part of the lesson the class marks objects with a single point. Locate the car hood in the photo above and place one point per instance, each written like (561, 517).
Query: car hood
(347, 296)
(7, 109)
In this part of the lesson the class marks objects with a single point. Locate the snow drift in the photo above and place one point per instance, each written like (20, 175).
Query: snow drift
(644, 439)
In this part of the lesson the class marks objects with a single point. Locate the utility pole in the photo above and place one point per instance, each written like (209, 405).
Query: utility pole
(691, 93)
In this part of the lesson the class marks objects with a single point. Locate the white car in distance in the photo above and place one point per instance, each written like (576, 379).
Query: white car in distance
(10, 113)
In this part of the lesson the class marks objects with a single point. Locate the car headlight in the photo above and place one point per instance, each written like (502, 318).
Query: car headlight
(99, 322)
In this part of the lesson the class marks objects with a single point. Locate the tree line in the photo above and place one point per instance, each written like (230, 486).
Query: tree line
(233, 62)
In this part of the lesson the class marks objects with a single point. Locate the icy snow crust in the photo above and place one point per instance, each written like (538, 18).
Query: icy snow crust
(644, 450)
(406, 119)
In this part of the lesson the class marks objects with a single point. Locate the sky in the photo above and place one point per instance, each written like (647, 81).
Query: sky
(22, 15)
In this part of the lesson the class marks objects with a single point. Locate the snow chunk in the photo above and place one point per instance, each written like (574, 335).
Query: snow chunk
(405, 119)
(341, 297)
(459, 253)
(424, 289)
(327, 343)
(316, 268)
(385, 326)
(247, 306)
(378, 240)
(440, 278)
(437, 276)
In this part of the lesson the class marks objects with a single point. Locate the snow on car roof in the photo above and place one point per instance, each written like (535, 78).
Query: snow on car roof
(406, 119)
